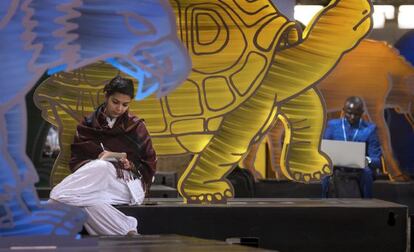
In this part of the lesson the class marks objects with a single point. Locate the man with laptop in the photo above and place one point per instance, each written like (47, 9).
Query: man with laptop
(360, 150)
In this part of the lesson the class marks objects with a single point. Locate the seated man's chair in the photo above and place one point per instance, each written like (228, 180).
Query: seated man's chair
(344, 183)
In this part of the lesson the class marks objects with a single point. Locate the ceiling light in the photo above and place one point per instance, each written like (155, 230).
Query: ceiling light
(381, 13)
(305, 13)
(387, 10)
(406, 17)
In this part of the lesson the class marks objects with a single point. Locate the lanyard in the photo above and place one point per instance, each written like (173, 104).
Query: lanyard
(343, 130)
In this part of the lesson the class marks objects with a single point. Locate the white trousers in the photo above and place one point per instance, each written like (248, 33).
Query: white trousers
(95, 188)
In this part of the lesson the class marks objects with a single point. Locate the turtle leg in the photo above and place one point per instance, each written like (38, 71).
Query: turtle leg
(194, 187)
(303, 118)
(204, 180)
(249, 160)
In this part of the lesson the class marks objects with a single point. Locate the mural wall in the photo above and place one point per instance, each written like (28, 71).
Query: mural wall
(250, 66)
(212, 79)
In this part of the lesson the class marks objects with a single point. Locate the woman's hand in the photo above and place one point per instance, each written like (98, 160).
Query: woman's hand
(126, 163)
(102, 154)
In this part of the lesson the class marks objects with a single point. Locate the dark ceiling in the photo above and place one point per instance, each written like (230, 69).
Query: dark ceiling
(391, 2)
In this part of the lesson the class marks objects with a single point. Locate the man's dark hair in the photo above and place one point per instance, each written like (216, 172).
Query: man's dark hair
(120, 85)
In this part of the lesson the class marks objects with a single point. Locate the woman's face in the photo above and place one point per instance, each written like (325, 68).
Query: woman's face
(117, 104)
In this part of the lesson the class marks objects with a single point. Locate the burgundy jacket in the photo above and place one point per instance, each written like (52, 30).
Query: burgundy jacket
(129, 135)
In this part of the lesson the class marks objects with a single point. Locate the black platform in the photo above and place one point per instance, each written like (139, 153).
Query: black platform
(284, 224)
(309, 224)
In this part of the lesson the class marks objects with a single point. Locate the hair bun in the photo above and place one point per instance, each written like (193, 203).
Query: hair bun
(121, 85)
(118, 76)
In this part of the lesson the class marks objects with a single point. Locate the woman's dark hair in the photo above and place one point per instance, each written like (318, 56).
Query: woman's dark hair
(119, 85)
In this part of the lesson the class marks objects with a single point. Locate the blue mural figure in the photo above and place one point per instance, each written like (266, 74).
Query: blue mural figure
(402, 138)
(137, 37)
(406, 46)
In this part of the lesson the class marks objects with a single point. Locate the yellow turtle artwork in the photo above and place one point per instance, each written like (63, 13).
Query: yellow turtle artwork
(249, 65)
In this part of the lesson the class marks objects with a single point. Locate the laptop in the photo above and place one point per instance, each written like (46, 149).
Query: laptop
(345, 153)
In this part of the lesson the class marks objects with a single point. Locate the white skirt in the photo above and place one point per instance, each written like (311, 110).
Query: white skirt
(95, 188)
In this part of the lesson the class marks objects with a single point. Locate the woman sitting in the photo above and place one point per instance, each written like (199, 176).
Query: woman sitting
(112, 162)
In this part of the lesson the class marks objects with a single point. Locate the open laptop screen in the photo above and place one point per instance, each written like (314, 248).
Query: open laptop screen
(345, 153)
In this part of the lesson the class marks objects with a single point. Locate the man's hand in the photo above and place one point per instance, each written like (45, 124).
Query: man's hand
(367, 161)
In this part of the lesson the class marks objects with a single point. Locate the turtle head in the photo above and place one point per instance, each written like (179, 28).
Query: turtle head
(353, 16)
(363, 16)
(350, 19)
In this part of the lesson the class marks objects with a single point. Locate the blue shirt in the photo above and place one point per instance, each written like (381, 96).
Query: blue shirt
(365, 132)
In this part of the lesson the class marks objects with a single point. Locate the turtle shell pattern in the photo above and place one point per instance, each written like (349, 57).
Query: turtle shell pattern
(231, 45)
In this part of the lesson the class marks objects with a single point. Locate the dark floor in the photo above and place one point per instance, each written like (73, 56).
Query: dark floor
(153, 243)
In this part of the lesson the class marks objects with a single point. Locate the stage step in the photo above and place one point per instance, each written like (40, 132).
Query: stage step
(397, 192)
(156, 191)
